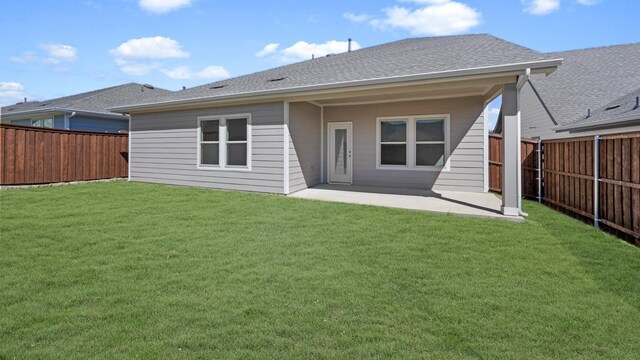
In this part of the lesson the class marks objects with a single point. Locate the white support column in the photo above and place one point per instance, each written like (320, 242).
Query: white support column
(285, 130)
(511, 183)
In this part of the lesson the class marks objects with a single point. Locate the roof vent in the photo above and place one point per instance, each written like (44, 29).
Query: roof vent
(612, 107)
(44, 104)
(330, 54)
(148, 86)
(277, 79)
(11, 109)
(588, 113)
(637, 103)
(213, 87)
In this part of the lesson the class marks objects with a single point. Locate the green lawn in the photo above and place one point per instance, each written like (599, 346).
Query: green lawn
(124, 270)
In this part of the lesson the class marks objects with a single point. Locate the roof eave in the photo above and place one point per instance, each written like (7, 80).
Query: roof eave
(618, 121)
(110, 115)
(537, 67)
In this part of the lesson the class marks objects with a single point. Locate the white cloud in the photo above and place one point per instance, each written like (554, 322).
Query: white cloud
(424, 17)
(163, 6)
(25, 57)
(356, 17)
(157, 47)
(11, 92)
(185, 73)
(59, 52)
(268, 50)
(438, 17)
(541, 7)
(303, 50)
(51, 54)
(587, 2)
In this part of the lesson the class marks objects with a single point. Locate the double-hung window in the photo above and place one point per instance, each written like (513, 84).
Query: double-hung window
(224, 142)
(413, 142)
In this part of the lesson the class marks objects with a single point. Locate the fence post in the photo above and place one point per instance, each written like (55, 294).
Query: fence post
(596, 181)
(540, 171)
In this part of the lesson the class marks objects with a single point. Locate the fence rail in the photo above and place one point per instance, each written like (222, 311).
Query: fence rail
(32, 155)
(595, 178)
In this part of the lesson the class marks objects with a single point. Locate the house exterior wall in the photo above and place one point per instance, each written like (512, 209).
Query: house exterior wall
(304, 146)
(466, 158)
(86, 123)
(164, 149)
(536, 122)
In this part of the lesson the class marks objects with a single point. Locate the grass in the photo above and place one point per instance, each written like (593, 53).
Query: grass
(125, 270)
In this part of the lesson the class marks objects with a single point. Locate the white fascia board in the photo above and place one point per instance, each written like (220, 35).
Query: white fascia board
(541, 66)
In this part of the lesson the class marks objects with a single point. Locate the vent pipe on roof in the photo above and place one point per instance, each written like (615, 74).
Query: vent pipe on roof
(637, 103)
(25, 99)
(349, 49)
(588, 113)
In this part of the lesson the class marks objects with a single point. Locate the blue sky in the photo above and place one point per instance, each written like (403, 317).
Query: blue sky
(61, 47)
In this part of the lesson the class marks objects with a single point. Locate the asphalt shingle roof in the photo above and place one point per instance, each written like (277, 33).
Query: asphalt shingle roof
(589, 79)
(623, 107)
(93, 101)
(400, 58)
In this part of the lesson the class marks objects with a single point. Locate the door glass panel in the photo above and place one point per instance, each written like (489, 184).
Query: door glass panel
(340, 152)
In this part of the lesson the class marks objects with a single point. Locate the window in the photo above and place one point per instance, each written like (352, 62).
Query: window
(48, 123)
(393, 142)
(413, 143)
(224, 142)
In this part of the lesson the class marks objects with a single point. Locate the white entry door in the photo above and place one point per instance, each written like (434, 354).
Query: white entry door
(340, 148)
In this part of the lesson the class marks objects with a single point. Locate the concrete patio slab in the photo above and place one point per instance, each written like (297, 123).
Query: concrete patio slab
(450, 202)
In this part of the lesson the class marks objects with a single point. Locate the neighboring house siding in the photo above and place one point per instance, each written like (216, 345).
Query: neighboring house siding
(535, 119)
(164, 149)
(24, 122)
(85, 123)
(536, 122)
(58, 121)
(304, 146)
(466, 144)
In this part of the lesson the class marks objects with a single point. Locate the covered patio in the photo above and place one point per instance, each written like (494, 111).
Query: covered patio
(486, 205)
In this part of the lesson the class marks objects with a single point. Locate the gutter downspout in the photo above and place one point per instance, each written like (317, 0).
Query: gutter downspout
(522, 80)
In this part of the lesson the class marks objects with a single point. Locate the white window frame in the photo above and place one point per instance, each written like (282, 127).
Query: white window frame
(411, 143)
(222, 143)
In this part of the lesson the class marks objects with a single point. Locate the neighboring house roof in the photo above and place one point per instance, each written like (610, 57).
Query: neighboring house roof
(438, 57)
(624, 109)
(93, 102)
(588, 79)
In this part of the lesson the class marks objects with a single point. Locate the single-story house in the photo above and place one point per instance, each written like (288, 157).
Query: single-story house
(85, 111)
(407, 114)
(593, 92)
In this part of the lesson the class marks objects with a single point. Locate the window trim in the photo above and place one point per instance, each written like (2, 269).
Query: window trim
(222, 143)
(411, 143)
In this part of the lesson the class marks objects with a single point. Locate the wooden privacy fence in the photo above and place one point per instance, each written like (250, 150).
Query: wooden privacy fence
(32, 155)
(595, 178)
(529, 165)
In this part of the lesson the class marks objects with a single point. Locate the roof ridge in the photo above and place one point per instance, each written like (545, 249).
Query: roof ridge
(592, 48)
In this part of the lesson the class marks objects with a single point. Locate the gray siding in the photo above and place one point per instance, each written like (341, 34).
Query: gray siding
(86, 123)
(25, 122)
(164, 149)
(58, 121)
(536, 122)
(304, 146)
(466, 144)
